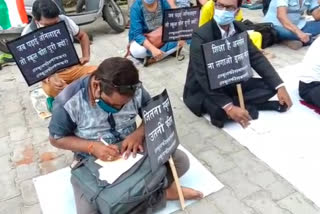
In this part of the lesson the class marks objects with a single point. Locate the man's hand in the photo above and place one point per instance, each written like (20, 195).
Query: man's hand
(305, 38)
(239, 115)
(105, 153)
(84, 60)
(56, 83)
(157, 53)
(284, 98)
(132, 143)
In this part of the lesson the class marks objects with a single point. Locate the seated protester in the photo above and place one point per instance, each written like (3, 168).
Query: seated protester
(105, 105)
(46, 13)
(291, 25)
(221, 103)
(309, 86)
(146, 17)
(207, 13)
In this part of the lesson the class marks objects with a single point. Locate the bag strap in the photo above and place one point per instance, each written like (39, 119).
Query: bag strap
(146, 195)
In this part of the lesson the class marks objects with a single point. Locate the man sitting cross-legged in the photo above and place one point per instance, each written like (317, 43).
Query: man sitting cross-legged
(105, 105)
(222, 103)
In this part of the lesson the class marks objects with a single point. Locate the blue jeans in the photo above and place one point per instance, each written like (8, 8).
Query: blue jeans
(311, 27)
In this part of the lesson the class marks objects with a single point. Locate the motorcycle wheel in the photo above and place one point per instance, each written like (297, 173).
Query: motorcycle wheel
(113, 15)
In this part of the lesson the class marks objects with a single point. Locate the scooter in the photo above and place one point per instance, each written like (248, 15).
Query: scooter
(88, 11)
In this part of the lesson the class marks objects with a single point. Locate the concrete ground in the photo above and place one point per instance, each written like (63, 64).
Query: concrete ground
(251, 186)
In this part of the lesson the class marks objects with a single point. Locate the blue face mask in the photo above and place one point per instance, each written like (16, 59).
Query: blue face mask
(107, 108)
(223, 17)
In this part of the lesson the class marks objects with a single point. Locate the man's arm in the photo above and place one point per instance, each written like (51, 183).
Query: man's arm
(284, 20)
(85, 46)
(263, 67)
(95, 148)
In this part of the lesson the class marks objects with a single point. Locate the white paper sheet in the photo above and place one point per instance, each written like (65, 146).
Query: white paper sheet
(117, 167)
(288, 142)
(56, 195)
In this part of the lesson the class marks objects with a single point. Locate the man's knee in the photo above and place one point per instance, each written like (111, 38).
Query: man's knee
(181, 161)
(82, 204)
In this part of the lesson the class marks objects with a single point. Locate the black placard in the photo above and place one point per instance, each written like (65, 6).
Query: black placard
(43, 52)
(160, 130)
(227, 61)
(179, 24)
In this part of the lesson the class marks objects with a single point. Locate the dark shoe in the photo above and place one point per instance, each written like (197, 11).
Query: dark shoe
(216, 123)
(149, 61)
(180, 56)
(218, 118)
(272, 106)
(253, 111)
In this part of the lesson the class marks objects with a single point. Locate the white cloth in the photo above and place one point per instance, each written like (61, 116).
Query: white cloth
(311, 63)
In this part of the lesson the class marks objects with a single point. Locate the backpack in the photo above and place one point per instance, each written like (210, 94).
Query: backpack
(269, 34)
(137, 191)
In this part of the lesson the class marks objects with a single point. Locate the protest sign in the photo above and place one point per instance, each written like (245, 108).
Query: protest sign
(227, 61)
(161, 135)
(43, 52)
(178, 24)
(160, 131)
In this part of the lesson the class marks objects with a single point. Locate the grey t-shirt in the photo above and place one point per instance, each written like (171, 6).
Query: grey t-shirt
(73, 28)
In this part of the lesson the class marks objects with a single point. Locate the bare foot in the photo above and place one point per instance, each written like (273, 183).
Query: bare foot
(188, 193)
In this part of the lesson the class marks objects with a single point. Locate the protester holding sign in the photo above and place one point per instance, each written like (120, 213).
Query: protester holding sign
(46, 13)
(145, 34)
(222, 103)
(105, 105)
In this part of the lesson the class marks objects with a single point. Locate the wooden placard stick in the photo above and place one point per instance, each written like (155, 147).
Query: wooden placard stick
(240, 95)
(176, 180)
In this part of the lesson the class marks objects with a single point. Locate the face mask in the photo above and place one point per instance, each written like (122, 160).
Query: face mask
(107, 108)
(223, 17)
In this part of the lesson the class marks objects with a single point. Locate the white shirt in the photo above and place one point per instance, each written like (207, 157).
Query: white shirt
(311, 62)
(230, 33)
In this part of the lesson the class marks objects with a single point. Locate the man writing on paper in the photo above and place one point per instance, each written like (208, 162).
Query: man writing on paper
(46, 13)
(223, 103)
(105, 105)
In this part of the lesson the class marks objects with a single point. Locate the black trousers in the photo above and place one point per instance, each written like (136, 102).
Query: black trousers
(310, 92)
(255, 92)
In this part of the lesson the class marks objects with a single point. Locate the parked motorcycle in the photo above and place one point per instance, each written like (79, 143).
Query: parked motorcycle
(88, 11)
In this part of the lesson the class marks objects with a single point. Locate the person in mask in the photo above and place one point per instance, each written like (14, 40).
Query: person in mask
(46, 13)
(222, 104)
(105, 105)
